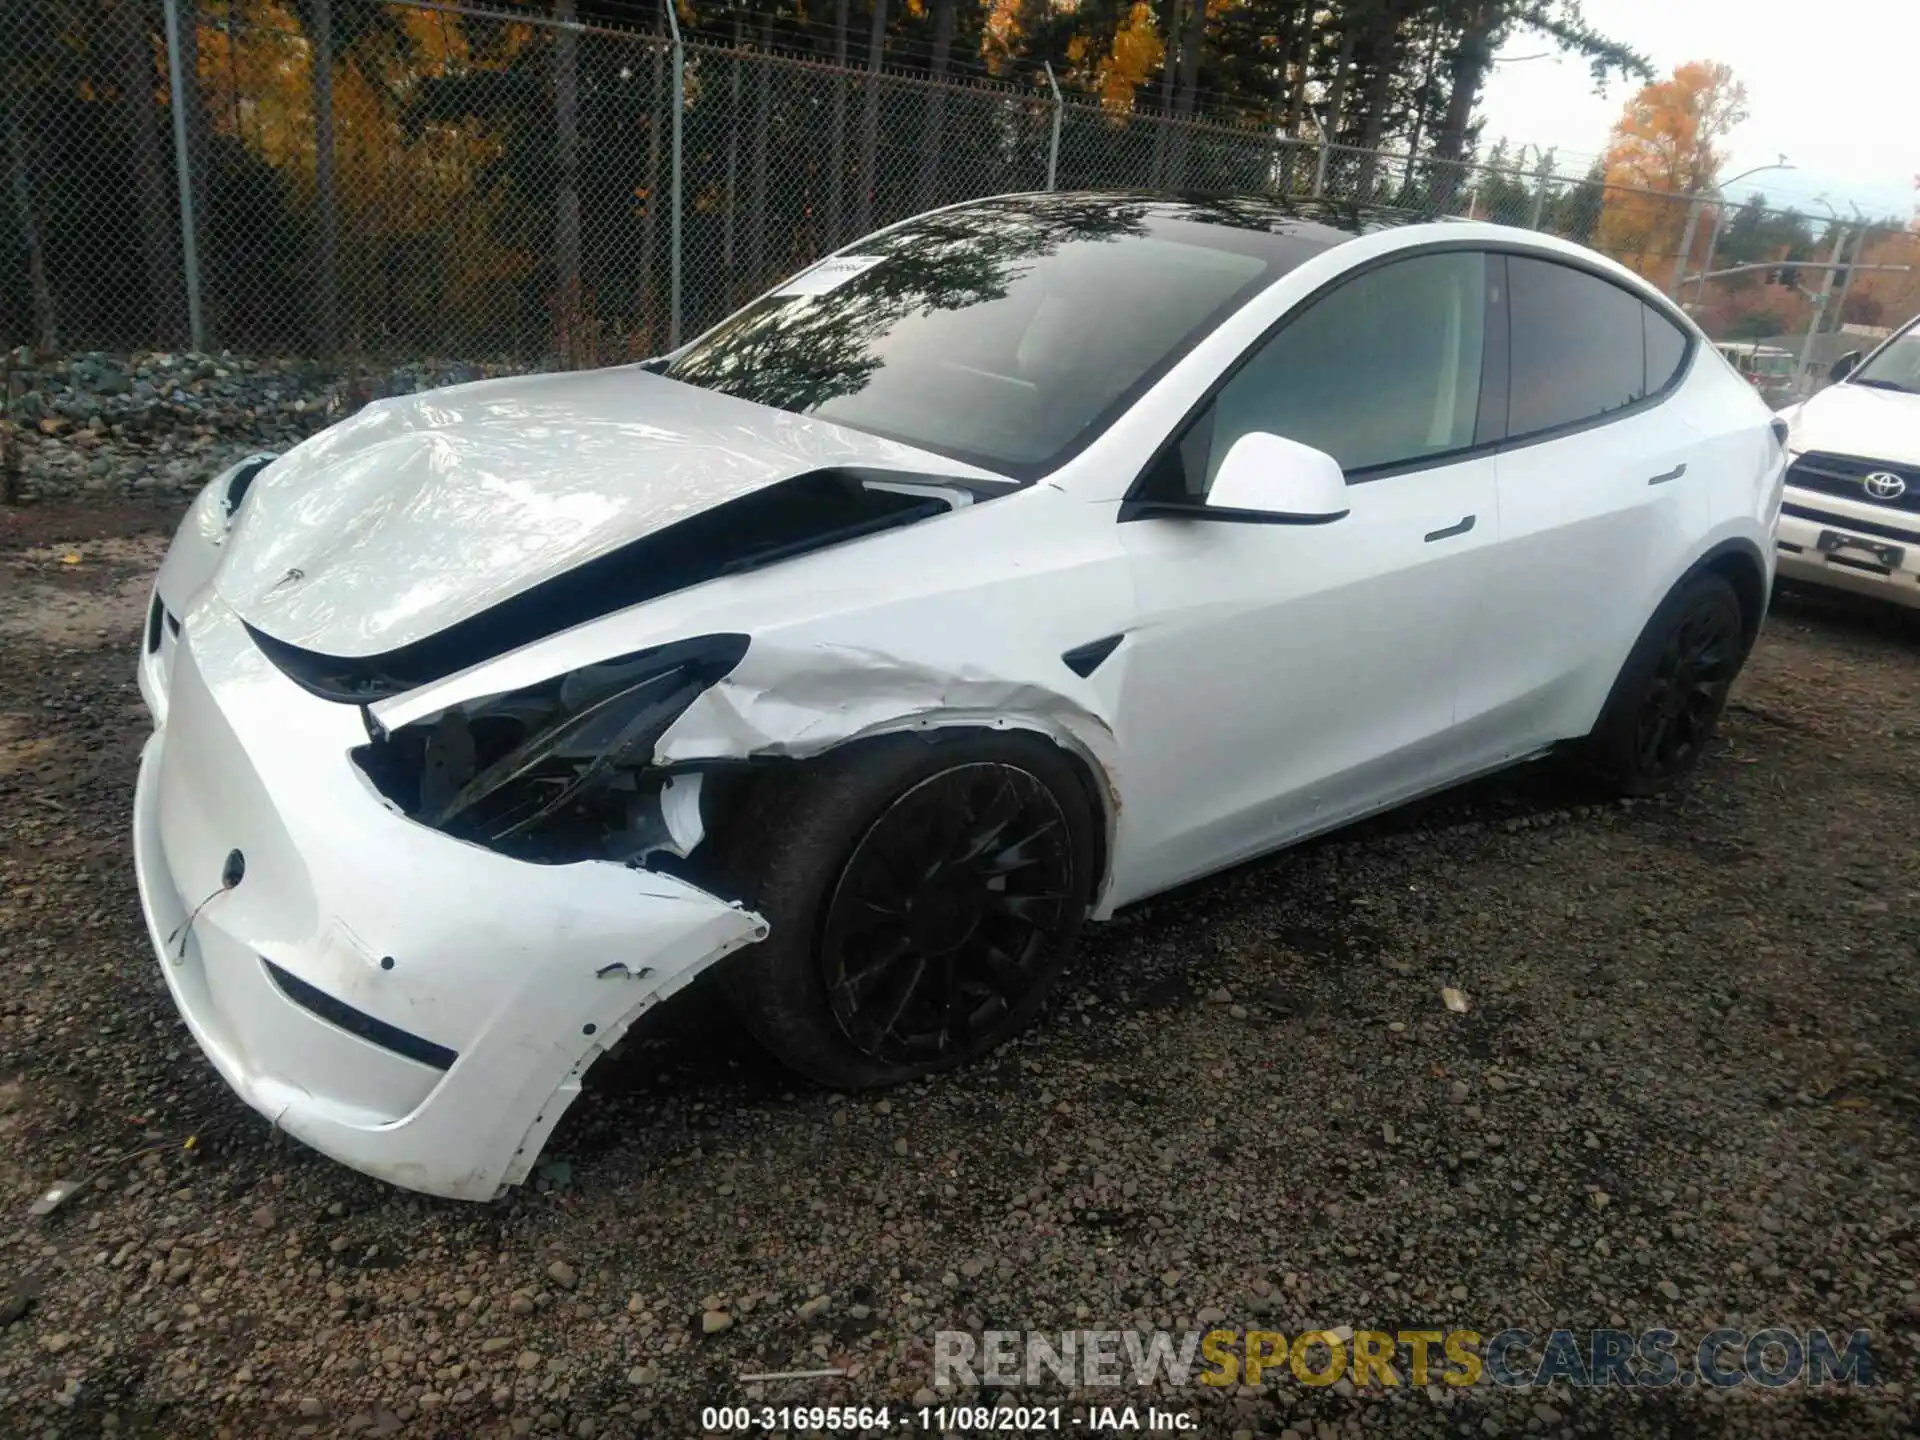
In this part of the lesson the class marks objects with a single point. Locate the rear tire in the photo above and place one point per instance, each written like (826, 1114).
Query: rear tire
(1669, 696)
(922, 895)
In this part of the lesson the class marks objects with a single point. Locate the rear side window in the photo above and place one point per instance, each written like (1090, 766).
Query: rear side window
(1666, 349)
(1578, 347)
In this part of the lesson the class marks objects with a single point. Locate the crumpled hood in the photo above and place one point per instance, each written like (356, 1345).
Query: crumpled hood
(1862, 421)
(424, 510)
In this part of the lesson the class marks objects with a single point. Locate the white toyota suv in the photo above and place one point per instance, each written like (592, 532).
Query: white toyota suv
(1851, 517)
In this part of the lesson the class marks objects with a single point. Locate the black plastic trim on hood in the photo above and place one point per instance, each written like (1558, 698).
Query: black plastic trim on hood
(793, 517)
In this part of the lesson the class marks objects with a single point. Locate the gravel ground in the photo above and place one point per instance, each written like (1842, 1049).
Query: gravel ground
(1685, 1094)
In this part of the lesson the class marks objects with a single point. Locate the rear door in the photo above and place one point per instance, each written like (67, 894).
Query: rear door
(1602, 492)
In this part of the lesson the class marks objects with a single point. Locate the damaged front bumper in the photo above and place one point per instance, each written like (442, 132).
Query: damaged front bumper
(414, 1006)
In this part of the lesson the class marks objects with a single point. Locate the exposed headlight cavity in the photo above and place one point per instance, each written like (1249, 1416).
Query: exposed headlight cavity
(560, 771)
(240, 478)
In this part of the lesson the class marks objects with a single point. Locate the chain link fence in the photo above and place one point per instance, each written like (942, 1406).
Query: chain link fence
(401, 179)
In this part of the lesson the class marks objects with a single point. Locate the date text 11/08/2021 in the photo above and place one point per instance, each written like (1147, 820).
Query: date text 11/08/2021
(947, 1419)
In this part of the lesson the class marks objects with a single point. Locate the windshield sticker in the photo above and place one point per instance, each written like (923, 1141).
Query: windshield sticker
(829, 275)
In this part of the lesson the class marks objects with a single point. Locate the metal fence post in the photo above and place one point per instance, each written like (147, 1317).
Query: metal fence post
(1541, 174)
(189, 235)
(1053, 145)
(673, 242)
(45, 332)
(326, 187)
(1320, 168)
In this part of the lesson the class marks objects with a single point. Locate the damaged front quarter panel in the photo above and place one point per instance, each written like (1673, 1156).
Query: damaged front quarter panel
(794, 701)
(763, 700)
(559, 771)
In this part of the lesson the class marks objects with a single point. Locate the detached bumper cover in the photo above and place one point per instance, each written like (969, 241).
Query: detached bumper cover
(415, 1007)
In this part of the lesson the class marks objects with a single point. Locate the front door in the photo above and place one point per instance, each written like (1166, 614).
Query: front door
(1281, 678)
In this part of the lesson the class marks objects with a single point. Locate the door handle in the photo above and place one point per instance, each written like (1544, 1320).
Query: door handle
(1466, 524)
(1674, 474)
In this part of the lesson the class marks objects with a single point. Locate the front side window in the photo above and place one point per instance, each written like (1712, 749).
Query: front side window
(1383, 371)
(1895, 366)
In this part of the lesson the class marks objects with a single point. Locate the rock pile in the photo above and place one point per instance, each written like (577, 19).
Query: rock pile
(122, 424)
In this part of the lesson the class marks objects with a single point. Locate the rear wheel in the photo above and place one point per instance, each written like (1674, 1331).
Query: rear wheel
(1669, 696)
(922, 896)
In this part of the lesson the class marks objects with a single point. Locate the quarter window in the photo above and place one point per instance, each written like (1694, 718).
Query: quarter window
(1383, 371)
(1666, 349)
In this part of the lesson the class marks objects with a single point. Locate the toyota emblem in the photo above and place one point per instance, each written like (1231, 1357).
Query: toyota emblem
(1884, 485)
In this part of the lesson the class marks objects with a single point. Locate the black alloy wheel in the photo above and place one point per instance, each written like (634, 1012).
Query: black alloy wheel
(922, 893)
(1687, 691)
(1667, 699)
(944, 916)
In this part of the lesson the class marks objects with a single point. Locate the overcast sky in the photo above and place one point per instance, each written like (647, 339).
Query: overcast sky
(1834, 84)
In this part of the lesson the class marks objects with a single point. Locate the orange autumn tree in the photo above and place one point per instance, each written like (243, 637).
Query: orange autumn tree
(1667, 140)
(1129, 61)
(421, 210)
(1890, 297)
(1886, 297)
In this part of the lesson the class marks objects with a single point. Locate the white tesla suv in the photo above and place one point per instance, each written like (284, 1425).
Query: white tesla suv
(1852, 514)
(1017, 562)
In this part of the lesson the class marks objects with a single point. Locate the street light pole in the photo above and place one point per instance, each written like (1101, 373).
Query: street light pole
(1713, 240)
(1819, 312)
(1846, 281)
(1686, 245)
(1719, 190)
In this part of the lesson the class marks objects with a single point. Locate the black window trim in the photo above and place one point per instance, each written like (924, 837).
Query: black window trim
(1493, 357)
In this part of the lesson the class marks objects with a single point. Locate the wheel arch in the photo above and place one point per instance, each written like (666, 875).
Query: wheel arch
(1084, 759)
(1096, 783)
(1739, 562)
(1611, 751)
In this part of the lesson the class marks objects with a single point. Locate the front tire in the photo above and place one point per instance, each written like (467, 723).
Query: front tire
(922, 895)
(1669, 696)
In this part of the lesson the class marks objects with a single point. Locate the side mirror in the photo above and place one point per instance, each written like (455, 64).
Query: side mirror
(1269, 477)
(1844, 366)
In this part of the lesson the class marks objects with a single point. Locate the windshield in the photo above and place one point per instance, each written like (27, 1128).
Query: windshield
(1006, 334)
(1895, 366)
